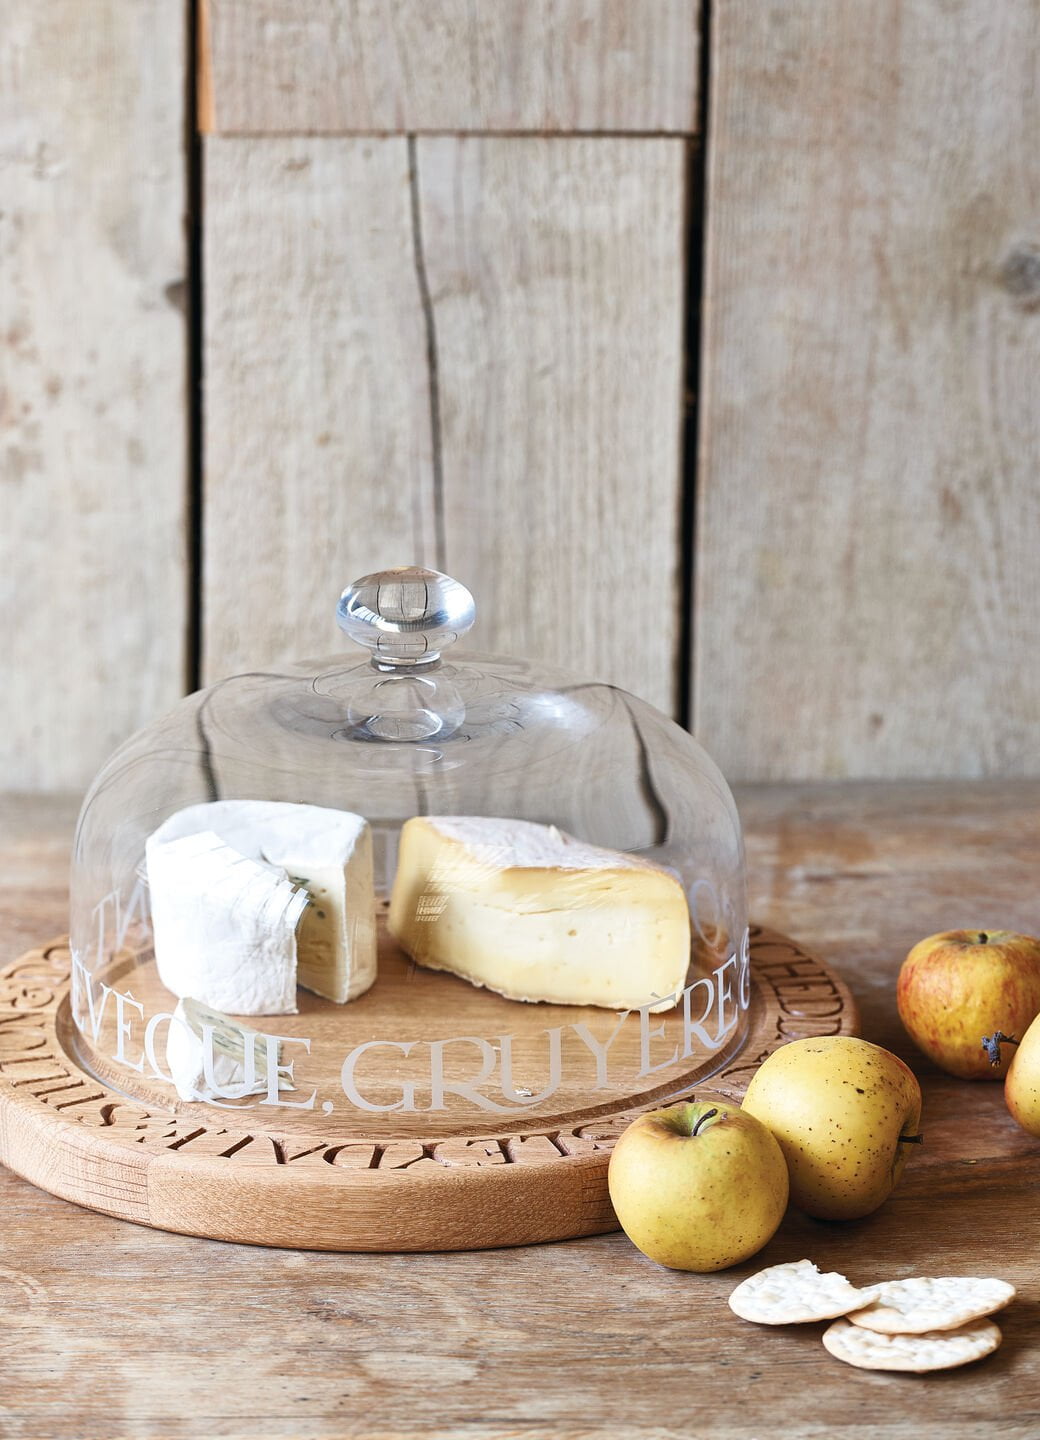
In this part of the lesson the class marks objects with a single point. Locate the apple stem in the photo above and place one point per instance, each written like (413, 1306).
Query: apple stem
(911, 1139)
(708, 1114)
(992, 1043)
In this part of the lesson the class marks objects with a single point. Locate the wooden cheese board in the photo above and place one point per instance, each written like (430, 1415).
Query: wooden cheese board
(391, 1177)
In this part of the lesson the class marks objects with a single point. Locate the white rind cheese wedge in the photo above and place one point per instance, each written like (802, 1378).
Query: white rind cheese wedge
(326, 852)
(186, 1055)
(223, 925)
(534, 914)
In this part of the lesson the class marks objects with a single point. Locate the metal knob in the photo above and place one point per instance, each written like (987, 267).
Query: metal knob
(406, 616)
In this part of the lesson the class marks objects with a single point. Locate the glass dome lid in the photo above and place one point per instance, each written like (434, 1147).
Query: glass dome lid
(410, 892)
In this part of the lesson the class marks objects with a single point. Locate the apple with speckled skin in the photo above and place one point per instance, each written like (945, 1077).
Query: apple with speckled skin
(698, 1186)
(845, 1113)
(1022, 1086)
(961, 984)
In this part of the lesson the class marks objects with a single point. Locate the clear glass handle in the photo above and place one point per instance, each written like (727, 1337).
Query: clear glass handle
(406, 618)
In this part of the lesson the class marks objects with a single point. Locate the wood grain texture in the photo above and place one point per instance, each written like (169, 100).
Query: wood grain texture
(868, 509)
(418, 1008)
(865, 871)
(317, 414)
(35, 844)
(556, 274)
(472, 362)
(390, 1182)
(92, 365)
(113, 1329)
(348, 66)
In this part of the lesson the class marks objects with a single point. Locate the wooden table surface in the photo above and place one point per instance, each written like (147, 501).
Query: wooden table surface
(109, 1330)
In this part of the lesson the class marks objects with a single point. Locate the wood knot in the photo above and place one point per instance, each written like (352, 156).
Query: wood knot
(1020, 275)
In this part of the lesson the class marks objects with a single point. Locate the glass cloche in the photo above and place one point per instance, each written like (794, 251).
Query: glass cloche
(408, 891)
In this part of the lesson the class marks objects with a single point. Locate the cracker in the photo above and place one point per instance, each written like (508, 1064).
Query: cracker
(794, 1294)
(923, 1304)
(936, 1350)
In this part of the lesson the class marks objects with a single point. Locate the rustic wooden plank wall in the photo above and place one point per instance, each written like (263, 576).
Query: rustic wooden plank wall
(416, 345)
(93, 582)
(317, 441)
(869, 478)
(341, 67)
(444, 263)
(556, 271)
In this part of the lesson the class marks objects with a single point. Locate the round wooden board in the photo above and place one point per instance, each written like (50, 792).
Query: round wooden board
(318, 1181)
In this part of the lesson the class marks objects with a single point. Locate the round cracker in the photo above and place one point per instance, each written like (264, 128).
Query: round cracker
(922, 1304)
(917, 1354)
(794, 1294)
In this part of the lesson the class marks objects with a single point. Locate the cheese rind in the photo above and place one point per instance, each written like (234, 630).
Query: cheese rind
(535, 914)
(326, 854)
(195, 1027)
(223, 925)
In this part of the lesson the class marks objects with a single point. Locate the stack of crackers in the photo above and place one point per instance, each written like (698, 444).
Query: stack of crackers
(920, 1324)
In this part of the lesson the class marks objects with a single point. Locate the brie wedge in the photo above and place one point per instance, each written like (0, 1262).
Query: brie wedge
(243, 947)
(537, 915)
(223, 925)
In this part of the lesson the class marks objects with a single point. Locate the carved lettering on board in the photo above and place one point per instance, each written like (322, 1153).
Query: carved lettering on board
(803, 997)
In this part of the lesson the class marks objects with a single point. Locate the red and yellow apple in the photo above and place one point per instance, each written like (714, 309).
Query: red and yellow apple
(844, 1112)
(699, 1185)
(955, 987)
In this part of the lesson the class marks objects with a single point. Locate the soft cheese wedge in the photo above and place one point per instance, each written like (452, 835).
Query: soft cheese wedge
(194, 1028)
(322, 855)
(223, 925)
(534, 914)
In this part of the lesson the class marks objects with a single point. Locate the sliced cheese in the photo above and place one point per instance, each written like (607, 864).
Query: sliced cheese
(328, 855)
(534, 914)
(223, 925)
(196, 1028)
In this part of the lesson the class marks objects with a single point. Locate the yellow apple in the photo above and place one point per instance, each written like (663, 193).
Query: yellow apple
(844, 1112)
(1022, 1086)
(699, 1185)
(958, 985)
